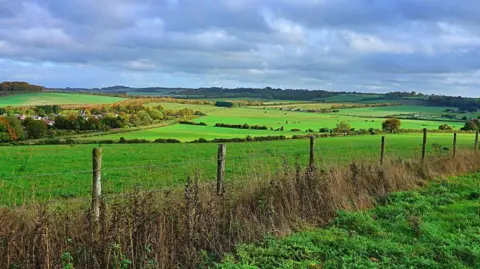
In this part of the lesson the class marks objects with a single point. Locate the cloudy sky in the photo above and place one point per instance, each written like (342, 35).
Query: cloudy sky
(431, 46)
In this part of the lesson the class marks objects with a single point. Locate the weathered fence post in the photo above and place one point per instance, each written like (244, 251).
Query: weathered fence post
(454, 145)
(382, 151)
(97, 183)
(222, 152)
(476, 141)
(424, 144)
(311, 164)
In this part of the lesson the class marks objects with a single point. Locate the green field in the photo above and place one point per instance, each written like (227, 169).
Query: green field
(51, 98)
(187, 133)
(350, 98)
(272, 118)
(304, 120)
(433, 228)
(30, 173)
(395, 110)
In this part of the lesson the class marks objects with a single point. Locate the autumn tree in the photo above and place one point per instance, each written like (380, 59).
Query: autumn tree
(342, 127)
(391, 125)
(445, 127)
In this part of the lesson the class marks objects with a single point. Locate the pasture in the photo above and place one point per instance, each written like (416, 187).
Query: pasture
(187, 133)
(53, 98)
(39, 173)
(274, 119)
(304, 120)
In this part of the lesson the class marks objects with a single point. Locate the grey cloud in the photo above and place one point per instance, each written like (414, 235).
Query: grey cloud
(357, 44)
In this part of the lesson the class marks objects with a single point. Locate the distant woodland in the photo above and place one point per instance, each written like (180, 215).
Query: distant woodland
(19, 87)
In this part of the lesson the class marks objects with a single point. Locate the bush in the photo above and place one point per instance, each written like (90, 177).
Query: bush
(192, 123)
(167, 140)
(241, 126)
(224, 104)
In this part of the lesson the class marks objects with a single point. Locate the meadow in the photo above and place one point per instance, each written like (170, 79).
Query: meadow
(39, 173)
(187, 133)
(275, 119)
(53, 98)
(436, 227)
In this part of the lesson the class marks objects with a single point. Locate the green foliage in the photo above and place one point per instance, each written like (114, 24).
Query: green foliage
(342, 127)
(445, 127)
(472, 125)
(433, 228)
(35, 128)
(67, 261)
(391, 125)
(224, 104)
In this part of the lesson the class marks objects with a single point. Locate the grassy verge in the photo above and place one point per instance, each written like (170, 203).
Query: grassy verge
(437, 227)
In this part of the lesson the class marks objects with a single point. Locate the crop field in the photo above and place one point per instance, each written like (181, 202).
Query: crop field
(432, 228)
(39, 173)
(51, 98)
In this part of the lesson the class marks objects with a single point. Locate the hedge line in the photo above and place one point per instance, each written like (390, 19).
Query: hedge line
(241, 126)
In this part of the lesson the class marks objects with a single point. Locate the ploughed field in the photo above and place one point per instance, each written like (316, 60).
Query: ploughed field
(56, 172)
(53, 98)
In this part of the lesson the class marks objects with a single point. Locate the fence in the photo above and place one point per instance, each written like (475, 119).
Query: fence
(225, 166)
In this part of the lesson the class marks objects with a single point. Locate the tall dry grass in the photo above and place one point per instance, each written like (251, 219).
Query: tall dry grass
(191, 227)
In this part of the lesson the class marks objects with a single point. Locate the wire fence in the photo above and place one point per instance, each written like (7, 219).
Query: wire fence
(60, 173)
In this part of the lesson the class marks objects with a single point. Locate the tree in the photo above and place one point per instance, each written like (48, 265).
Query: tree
(342, 127)
(156, 114)
(471, 125)
(445, 127)
(391, 125)
(35, 128)
(11, 129)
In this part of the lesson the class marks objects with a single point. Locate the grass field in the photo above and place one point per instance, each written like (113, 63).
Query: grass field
(29, 173)
(51, 98)
(271, 118)
(433, 228)
(349, 98)
(187, 133)
(395, 110)
(304, 120)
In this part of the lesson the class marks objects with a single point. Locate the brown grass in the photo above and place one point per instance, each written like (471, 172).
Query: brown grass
(190, 227)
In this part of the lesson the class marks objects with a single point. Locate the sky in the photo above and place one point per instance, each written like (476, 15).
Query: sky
(430, 46)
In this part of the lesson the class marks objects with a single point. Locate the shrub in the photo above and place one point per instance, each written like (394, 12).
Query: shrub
(193, 123)
(166, 140)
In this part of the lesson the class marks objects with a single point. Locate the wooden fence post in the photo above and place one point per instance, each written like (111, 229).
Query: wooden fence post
(311, 163)
(97, 183)
(222, 152)
(424, 144)
(454, 145)
(382, 151)
(476, 141)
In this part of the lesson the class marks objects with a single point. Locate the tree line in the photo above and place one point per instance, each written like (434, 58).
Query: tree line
(17, 86)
